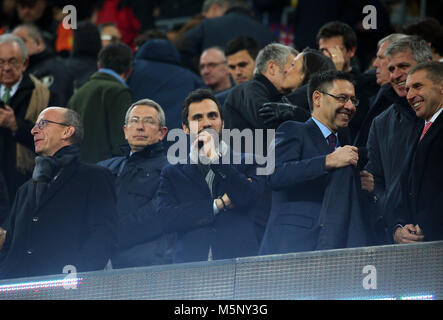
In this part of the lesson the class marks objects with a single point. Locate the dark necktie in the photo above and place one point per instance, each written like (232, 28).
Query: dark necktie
(332, 140)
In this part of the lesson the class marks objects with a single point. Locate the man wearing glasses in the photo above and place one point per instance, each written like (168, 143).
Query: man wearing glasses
(312, 206)
(64, 217)
(137, 179)
(23, 97)
(214, 70)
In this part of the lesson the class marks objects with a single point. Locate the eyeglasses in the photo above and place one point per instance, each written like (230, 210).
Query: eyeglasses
(13, 62)
(44, 122)
(343, 99)
(144, 121)
(211, 65)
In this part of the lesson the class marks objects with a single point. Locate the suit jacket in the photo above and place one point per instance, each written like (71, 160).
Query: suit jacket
(73, 225)
(421, 200)
(299, 218)
(186, 206)
(391, 138)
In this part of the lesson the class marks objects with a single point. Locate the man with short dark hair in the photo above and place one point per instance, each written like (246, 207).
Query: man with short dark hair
(338, 41)
(65, 215)
(141, 241)
(102, 103)
(314, 194)
(209, 199)
(241, 53)
(417, 216)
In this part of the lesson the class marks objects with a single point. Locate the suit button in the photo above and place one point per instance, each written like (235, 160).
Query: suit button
(30, 251)
(35, 219)
(322, 225)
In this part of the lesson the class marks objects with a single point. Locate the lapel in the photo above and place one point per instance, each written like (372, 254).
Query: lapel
(62, 179)
(195, 177)
(319, 141)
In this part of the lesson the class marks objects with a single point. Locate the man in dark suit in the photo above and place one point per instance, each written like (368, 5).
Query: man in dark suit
(307, 155)
(419, 216)
(65, 215)
(391, 132)
(209, 198)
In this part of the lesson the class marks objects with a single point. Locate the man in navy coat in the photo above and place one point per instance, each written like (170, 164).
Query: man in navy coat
(210, 199)
(307, 173)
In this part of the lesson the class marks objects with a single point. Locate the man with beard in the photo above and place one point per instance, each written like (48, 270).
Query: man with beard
(314, 173)
(210, 199)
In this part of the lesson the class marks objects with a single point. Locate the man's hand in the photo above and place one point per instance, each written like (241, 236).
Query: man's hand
(7, 118)
(208, 148)
(227, 202)
(342, 157)
(408, 234)
(279, 112)
(367, 181)
(2, 237)
(336, 56)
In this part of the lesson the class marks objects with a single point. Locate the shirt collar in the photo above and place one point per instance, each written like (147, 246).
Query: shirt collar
(14, 88)
(114, 74)
(324, 130)
(434, 116)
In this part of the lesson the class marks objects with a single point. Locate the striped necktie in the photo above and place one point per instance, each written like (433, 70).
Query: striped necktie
(6, 95)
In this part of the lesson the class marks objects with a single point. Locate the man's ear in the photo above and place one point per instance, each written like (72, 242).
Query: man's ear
(68, 133)
(270, 68)
(164, 131)
(316, 97)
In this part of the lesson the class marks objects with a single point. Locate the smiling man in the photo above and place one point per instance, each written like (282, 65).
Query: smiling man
(65, 215)
(307, 155)
(137, 177)
(418, 215)
(391, 132)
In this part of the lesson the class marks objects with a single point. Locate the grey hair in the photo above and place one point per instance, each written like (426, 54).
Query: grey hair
(391, 38)
(272, 52)
(420, 49)
(151, 103)
(11, 38)
(72, 118)
(33, 31)
(217, 48)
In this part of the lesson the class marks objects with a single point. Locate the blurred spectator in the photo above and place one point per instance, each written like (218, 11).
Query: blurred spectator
(131, 17)
(148, 35)
(156, 72)
(102, 103)
(8, 15)
(236, 21)
(23, 97)
(307, 63)
(82, 62)
(430, 30)
(45, 65)
(39, 12)
(338, 41)
(109, 33)
(214, 70)
(241, 53)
